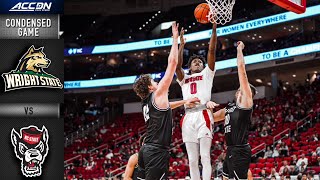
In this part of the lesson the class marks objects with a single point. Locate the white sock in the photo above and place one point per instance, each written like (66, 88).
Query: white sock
(205, 146)
(193, 157)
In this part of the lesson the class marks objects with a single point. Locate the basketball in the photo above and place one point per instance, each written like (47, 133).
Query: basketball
(201, 13)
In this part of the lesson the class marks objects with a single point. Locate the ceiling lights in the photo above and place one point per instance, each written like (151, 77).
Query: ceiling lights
(149, 20)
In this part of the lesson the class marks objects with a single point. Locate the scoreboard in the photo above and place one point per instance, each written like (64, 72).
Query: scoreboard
(31, 90)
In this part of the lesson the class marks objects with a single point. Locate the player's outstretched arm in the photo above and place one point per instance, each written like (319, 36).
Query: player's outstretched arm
(211, 57)
(190, 103)
(246, 99)
(161, 94)
(179, 70)
(133, 161)
(219, 115)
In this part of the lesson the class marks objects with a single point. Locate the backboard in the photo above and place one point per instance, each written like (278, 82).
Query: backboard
(297, 6)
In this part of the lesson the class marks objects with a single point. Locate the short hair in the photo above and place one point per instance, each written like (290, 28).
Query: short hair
(141, 85)
(196, 57)
(142, 138)
(254, 90)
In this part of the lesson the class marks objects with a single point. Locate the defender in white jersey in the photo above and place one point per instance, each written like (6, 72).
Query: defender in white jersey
(197, 122)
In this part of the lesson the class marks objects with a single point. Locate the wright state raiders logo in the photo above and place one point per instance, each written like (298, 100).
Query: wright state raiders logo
(31, 147)
(30, 72)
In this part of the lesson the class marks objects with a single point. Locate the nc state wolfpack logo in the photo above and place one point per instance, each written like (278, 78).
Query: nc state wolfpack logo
(31, 147)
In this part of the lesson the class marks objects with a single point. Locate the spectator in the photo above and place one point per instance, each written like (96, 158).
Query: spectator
(107, 164)
(172, 172)
(73, 171)
(289, 117)
(103, 130)
(285, 165)
(110, 154)
(92, 164)
(310, 175)
(100, 155)
(294, 160)
(180, 153)
(276, 152)
(268, 153)
(302, 168)
(318, 151)
(314, 137)
(264, 132)
(98, 141)
(273, 173)
(293, 171)
(173, 154)
(302, 159)
(78, 150)
(80, 177)
(286, 171)
(304, 176)
(217, 146)
(263, 173)
(318, 161)
(284, 150)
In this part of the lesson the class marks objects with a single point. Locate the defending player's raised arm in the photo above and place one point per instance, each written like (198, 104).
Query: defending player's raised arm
(212, 48)
(179, 70)
(133, 160)
(246, 100)
(161, 94)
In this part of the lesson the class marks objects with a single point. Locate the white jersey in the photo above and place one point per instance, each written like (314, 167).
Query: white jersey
(198, 85)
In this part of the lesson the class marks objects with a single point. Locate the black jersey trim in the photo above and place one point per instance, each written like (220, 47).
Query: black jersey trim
(156, 107)
(243, 108)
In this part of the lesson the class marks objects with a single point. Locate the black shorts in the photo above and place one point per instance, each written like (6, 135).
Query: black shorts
(138, 174)
(155, 162)
(237, 162)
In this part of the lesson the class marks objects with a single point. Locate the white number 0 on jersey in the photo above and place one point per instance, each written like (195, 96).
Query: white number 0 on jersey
(146, 113)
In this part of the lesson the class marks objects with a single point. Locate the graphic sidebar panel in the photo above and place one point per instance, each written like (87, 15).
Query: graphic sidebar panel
(31, 90)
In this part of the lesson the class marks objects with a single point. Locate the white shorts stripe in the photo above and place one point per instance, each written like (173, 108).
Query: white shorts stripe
(162, 175)
(237, 177)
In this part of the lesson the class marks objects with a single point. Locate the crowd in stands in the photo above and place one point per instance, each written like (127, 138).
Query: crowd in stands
(296, 154)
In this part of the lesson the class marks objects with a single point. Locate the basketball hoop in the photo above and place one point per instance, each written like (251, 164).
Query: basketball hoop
(220, 11)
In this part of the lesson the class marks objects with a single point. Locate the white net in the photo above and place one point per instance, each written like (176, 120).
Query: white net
(220, 11)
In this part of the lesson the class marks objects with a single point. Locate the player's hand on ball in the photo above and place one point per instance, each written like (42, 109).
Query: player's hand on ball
(182, 39)
(191, 103)
(175, 31)
(211, 105)
(240, 45)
